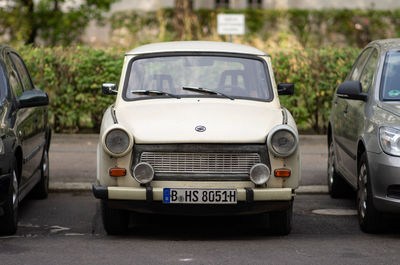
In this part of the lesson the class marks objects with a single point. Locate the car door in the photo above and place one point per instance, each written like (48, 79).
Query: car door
(28, 124)
(354, 118)
(340, 118)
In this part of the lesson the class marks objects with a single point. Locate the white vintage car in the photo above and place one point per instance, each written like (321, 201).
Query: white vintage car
(197, 129)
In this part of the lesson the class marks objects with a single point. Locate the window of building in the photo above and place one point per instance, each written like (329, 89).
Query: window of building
(221, 3)
(254, 3)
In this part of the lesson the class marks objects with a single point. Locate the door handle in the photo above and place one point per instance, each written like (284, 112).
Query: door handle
(346, 109)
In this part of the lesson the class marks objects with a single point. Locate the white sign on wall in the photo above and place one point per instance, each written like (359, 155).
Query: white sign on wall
(230, 24)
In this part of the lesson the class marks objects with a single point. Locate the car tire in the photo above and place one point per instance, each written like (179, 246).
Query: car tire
(281, 222)
(115, 221)
(368, 216)
(41, 190)
(9, 220)
(337, 186)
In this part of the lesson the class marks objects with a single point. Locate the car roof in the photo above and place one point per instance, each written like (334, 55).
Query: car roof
(387, 44)
(196, 46)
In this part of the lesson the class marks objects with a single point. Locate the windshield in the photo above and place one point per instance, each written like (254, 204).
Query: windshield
(390, 85)
(233, 76)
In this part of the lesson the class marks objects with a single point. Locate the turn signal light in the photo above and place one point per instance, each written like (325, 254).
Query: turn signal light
(282, 173)
(117, 172)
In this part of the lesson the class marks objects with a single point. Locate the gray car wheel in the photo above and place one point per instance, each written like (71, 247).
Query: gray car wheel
(369, 218)
(337, 186)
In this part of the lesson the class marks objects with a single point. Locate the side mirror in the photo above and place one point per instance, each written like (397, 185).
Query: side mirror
(351, 90)
(286, 89)
(33, 98)
(109, 89)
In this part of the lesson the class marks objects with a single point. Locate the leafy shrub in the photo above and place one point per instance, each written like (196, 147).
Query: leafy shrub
(316, 73)
(73, 76)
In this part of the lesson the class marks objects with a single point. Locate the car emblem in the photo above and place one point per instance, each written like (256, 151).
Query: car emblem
(200, 128)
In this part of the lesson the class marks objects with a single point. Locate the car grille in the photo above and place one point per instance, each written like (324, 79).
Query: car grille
(200, 163)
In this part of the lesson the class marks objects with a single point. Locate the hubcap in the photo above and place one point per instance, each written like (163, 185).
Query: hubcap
(45, 170)
(331, 164)
(15, 188)
(45, 166)
(362, 191)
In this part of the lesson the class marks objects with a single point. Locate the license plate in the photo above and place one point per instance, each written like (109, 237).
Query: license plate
(200, 196)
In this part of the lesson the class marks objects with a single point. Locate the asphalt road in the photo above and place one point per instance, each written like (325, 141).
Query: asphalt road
(73, 159)
(66, 229)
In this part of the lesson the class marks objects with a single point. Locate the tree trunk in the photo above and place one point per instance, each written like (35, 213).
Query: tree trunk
(182, 17)
(30, 16)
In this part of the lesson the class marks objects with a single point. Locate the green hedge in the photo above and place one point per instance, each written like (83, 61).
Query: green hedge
(73, 77)
(316, 73)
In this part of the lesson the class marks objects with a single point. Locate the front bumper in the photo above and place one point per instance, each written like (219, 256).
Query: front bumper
(385, 178)
(149, 200)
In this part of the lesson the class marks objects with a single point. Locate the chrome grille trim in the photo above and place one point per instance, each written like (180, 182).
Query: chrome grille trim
(201, 163)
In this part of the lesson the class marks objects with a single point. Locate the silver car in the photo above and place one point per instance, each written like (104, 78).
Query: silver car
(364, 134)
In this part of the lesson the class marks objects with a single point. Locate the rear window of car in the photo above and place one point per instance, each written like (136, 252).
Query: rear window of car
(390, 86)
(237, 77)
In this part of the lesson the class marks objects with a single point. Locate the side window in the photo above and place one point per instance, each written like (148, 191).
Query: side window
(358, 66)
(3, 84)
(13, 79)
(15, 85)
(369, 70)
(22, 72)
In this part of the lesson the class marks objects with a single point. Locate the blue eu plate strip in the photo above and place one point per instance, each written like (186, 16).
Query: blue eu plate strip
(166, 195)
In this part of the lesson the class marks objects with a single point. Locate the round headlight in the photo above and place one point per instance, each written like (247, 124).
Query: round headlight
(282, 141)
(259, 174)
(143, 172)
(117, 142)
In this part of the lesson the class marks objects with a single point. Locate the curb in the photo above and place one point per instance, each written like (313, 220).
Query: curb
(87, 186)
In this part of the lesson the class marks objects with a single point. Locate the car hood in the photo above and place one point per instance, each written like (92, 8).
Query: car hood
(175, 120)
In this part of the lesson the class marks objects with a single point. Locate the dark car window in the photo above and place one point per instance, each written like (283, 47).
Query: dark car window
(358, 66)
(234, 76)
(23, 73)
(3, 84)
(369, 70)
(390, 86)
(15, 85)
(13, 79)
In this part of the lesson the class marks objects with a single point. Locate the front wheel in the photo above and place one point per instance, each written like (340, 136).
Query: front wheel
(280, 222)
(9, 220)
(115, 221)
(368, 216)
(41, 189)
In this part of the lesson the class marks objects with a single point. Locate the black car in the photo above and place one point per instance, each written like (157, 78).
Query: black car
(24, 138)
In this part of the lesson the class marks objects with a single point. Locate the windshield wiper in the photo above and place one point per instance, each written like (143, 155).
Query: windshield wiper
(154, 93)
(205, 91)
